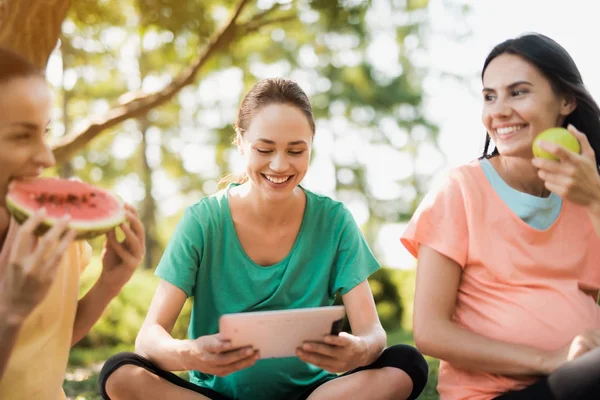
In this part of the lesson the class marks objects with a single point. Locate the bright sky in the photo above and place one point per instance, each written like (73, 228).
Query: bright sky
(456, 107)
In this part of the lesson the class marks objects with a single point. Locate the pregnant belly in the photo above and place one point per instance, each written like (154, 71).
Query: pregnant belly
(546, 319)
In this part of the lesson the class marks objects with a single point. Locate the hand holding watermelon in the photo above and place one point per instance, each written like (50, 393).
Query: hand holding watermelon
(119, 259)
(32, 266)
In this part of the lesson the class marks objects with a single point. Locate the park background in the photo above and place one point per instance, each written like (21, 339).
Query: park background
(146, 92)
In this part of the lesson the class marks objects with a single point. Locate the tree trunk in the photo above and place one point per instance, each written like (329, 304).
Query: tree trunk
(32, 27)
(65, 170)
(148, 216)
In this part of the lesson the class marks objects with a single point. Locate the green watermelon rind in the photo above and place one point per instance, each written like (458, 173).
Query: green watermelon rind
(85, 230)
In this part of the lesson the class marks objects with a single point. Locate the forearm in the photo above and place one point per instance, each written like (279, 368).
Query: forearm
(465, 349)
(90, 309)
(8, 337)
(157, 345)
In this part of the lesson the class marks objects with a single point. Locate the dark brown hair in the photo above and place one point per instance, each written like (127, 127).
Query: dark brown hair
(265, 93)
(12, 65)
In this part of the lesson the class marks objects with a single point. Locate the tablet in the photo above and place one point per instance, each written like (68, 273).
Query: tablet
(279, 333)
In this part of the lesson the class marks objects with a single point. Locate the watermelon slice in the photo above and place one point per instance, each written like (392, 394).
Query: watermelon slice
(93, 211)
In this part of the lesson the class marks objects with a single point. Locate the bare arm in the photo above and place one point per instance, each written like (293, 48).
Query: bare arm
(119, 261)
(364, 320)
(154, 340)
(437, 335)
(90, 309)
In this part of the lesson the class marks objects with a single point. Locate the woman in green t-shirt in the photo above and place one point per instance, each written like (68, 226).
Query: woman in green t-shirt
(265, 243)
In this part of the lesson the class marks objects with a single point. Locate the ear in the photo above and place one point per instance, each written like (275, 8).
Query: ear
(239, 142)
(568, 105)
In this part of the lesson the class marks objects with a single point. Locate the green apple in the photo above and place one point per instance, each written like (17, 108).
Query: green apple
(559, 136)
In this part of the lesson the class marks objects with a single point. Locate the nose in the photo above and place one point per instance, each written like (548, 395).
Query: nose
(500, 109)
(279, 163)
(44, 156)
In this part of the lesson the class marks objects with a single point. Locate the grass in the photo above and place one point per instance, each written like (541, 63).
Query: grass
(82, 377)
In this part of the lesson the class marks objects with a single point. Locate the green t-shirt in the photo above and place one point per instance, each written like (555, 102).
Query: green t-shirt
(205, 259)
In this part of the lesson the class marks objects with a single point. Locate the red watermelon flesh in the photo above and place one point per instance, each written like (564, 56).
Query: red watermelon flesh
(93, 211)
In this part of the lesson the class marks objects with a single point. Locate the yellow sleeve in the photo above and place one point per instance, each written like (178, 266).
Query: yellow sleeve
(84, 251)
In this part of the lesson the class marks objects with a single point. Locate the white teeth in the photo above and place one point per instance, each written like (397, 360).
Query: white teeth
(508, 129)
(277, 180)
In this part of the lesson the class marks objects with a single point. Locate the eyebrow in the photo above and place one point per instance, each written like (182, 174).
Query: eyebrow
(26, 125)
(511, 86)
(293, 143)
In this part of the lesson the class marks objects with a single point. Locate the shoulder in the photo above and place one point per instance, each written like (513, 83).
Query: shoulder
(324, 207)
(209, 208)
(458, 180)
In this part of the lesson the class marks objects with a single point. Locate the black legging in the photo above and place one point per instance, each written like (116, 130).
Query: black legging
(403, 357)
(577, 380)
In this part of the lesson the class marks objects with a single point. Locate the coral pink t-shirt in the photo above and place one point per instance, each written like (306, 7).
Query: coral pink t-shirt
(519, 284)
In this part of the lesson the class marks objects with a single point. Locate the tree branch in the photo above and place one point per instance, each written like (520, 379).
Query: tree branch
(70, 144)
(252, 25)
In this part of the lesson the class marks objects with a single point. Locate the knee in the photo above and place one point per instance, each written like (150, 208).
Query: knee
(411, 362)
(119, 376)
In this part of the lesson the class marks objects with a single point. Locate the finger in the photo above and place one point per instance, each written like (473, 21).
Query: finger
(318, 360)
(228, 358)
(584, 143)
(214, 344)
(33, 221)
(131, 208)
(47, 243)
(556, 179)
(555, 188)
(120, 250)
(343, 339)
(239, 365)
(132, 241)
(245, 362)
(24, 240)
(320, 348)
(559, 151)
(551, 166)
(135, 222)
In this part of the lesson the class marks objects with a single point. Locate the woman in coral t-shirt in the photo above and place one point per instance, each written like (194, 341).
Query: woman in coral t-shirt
(508, 246)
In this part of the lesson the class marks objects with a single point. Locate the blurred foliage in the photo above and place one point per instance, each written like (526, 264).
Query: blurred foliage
(123, 318)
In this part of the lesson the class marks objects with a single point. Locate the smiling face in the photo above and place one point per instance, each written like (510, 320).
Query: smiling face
(25, 107)
(277, 147)
(519, 103)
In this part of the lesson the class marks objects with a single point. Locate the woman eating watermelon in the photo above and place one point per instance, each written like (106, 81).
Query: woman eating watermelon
(40, 259)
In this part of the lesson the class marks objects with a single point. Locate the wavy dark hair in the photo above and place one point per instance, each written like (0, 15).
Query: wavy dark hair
(558, 67)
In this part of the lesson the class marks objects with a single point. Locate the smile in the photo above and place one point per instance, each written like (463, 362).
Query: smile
(506, 130)
(277, 179)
